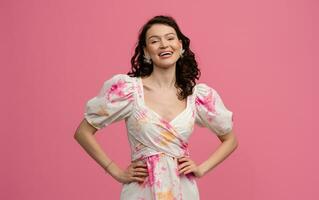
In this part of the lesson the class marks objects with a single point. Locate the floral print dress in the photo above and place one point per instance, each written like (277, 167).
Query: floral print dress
(156, 141)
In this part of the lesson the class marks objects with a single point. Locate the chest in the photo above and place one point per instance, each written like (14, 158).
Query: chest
(164, 103)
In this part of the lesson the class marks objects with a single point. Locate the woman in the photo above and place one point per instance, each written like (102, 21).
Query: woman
(160, 102)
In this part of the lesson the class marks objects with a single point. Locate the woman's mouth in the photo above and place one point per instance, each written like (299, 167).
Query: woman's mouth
(165, 54)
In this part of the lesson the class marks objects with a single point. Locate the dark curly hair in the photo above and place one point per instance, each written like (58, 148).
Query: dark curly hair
(186, 67)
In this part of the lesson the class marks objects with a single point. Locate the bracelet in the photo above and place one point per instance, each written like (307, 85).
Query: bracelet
(108, 164)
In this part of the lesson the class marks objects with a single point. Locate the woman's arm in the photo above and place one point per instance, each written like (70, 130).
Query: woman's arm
(84, 135)
(228, 145)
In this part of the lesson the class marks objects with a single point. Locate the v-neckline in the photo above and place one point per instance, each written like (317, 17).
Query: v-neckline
(155, 113)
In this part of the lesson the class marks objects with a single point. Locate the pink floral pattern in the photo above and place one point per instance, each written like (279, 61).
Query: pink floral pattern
(155, 141)
(116, 89)
(207, 101)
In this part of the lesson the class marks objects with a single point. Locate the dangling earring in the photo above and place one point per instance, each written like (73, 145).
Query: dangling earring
(181, 52)
(147, 59)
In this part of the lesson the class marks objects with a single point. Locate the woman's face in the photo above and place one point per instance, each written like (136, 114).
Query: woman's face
(162, 45)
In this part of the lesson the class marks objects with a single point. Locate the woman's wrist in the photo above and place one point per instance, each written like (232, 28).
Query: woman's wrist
(107, 165)
(113, 170)
(203, 168)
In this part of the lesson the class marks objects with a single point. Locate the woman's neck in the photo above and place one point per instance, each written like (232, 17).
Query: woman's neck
(163, 77)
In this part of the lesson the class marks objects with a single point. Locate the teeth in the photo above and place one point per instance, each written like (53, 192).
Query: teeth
(165, 53)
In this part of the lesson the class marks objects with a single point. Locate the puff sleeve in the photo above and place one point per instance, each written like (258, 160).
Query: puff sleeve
(211, 111)
(113, 103)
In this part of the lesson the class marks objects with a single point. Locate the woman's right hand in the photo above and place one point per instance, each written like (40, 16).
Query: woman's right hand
(135, 172)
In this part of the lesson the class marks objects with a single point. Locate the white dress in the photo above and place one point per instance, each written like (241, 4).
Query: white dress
(156, 141)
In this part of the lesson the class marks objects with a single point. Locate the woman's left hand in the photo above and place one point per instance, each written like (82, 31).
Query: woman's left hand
(187, 165)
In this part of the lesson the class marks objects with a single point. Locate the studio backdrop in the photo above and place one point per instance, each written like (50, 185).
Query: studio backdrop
(261, 56)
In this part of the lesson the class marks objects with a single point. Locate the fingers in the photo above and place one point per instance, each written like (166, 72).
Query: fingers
(186, 170)
(189, 171)
(186, 165)
(139, 163)
(139, 174)
(138, 179)
(137, 171)
(139, 168)
(183, 159)
(183, 162)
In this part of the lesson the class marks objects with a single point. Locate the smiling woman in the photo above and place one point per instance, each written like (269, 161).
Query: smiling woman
(161, 34)
(160, 102)
(163, 49)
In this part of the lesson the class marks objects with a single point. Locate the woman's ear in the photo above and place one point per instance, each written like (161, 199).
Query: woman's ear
(145, 52)
(181, 43)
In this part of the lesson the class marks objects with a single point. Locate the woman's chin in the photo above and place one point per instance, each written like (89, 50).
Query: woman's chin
(165, 64)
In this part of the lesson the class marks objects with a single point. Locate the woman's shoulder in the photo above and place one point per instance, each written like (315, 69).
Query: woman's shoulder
(122, 80)
(119, 84)
(202, 89)
(124, 77)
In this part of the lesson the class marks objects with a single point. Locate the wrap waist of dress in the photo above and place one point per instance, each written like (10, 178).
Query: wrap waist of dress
(165, 139)
(147, 151)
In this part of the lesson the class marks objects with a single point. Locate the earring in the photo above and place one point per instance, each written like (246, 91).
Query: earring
(147, 59)
(181, 53)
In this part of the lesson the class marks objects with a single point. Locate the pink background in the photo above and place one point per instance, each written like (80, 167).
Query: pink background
(260, 56)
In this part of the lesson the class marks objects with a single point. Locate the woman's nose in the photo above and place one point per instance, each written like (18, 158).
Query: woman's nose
(164, 44)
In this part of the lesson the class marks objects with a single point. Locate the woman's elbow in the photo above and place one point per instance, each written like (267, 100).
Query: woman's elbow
(84, 129)
(77, 134)
(235, 143)
(230, 138)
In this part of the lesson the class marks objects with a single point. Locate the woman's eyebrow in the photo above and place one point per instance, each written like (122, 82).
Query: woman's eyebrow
(159, 36)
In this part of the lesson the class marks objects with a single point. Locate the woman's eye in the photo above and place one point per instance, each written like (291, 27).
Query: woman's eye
(153, 42)
(171, 38)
